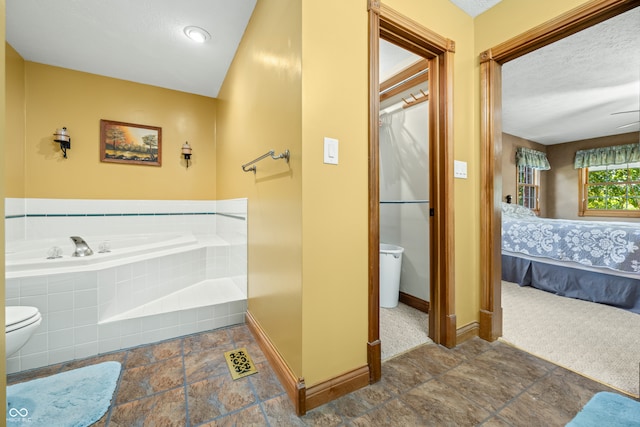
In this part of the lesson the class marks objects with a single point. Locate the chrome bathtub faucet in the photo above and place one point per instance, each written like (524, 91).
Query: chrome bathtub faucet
(82, 248)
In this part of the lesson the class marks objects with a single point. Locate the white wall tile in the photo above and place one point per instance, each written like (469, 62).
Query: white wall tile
(60, 320)
(60, 301)
(60, 339)
(38, 343)
(60, 355)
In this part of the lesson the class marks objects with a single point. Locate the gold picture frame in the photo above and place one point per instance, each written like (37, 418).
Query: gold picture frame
(122, 142)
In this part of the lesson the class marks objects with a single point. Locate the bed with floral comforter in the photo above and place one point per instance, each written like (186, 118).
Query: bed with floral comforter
(611, 245)
(591, 260)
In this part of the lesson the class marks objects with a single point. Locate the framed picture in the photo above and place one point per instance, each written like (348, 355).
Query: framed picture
(130, 143)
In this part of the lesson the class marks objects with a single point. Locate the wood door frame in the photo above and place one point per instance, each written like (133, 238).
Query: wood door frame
(491, 62)
(386, 23)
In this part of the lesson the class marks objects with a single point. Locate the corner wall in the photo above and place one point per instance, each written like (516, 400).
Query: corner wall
(259, 109)
(14, 162)
(57, 97)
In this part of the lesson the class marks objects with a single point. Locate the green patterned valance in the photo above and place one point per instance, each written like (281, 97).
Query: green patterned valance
(604, 156)
(532, 158)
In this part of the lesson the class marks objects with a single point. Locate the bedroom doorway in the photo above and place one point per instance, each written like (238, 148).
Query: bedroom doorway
(491, 62)
(386, 24)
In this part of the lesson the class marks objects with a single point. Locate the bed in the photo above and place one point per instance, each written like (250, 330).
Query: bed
(590, 260)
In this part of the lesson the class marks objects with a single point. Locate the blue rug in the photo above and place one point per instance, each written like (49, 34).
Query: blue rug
(608, 409)
(74, 398)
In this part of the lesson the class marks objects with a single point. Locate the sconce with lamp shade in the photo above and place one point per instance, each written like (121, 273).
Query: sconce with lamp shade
(63, 138)
(186, 152)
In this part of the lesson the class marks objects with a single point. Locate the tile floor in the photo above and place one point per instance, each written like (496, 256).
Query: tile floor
(185, 382)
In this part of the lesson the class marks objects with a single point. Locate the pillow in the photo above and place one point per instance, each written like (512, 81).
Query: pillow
(516, 211)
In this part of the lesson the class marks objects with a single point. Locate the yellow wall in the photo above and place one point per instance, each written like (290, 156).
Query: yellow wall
(14, 133)
(57, 97)
(259, 109)
(335, 197)
(3, 364)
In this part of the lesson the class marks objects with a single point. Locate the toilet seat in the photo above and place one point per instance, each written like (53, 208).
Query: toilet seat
(17, 317)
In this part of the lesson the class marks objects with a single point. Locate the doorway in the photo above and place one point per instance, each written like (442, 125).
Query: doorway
(491, 62)
(404, 200)
(386, 24)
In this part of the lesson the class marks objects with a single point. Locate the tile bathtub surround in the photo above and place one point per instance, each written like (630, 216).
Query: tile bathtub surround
(75, 305)
(51, 218)
(185, 382)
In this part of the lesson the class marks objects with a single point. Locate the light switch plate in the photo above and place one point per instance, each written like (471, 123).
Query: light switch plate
(459, 169)
(330, 151)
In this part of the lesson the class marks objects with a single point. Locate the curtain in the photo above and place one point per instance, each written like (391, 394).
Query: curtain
(532, 158)
(604, 156)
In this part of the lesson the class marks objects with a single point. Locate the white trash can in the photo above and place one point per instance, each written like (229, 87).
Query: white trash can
(390, 267)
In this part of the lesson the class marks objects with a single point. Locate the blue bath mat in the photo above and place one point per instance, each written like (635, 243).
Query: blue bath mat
(608, 409)
(74, 398)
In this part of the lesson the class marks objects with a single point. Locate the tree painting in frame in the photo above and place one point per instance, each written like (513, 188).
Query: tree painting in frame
(130, 143)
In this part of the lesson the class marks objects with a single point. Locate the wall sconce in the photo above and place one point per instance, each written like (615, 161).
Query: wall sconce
(186, 152)
(62, 137)
(508, 198)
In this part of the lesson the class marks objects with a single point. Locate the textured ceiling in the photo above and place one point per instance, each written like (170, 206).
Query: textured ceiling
(570, 90)
(140, 41)
(475, 7)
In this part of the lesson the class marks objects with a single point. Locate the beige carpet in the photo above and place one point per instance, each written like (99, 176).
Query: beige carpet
(402, 328)
(596, 340)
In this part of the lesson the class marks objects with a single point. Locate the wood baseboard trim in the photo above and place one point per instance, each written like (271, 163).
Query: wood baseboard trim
(374, 359)
(293, 385)
(467, 332)
(336, 387)
(414, 302)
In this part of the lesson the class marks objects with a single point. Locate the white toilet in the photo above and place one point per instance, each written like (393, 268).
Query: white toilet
(21, 323)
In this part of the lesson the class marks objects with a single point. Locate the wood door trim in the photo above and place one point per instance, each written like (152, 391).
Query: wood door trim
(491, 62)
(386, 23)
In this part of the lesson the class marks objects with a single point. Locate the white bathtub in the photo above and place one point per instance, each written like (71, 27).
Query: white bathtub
(150, 287)
(30, 258)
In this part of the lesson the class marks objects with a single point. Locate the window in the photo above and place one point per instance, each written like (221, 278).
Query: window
(612, 190)
(528, 187)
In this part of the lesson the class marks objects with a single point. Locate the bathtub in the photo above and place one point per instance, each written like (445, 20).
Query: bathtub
(30, 258)
(148, 288)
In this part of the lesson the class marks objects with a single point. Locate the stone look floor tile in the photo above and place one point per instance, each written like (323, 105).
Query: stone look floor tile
(153, 353)
(392, 413)
(150, 379)
(204, 364)
(280, 412)
(207, 341)
(482, 384)
(399, 376)
(210, 398)
(527, 411)
(251, 416)
(476, 383)
(439, 404)
(163, 409)
(265, 383)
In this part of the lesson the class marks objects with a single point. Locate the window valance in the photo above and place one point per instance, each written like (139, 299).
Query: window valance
(532, 158)
(604, 156)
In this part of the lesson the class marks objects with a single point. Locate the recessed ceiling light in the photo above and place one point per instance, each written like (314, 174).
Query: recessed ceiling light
(197, 34)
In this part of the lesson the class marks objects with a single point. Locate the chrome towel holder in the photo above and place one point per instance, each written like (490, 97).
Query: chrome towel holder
(283, 155)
